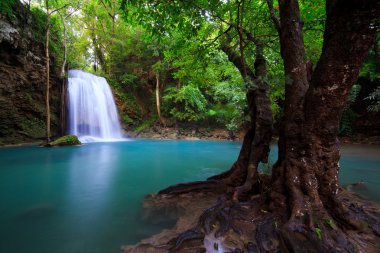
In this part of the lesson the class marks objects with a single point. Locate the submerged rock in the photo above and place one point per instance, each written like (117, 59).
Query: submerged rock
(67, 140)
(357, 186)
(38, 211)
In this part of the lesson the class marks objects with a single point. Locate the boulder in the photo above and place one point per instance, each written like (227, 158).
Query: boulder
(67, 140)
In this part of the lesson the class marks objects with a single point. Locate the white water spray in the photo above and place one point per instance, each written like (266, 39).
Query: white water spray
(213, 245)
(92, 111)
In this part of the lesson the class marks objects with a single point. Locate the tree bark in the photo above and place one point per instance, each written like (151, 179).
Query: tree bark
(63, 68)
(293, 53)
(256, 143)
(351, 28)
(63, 106)
(158, 104)
(305, 178)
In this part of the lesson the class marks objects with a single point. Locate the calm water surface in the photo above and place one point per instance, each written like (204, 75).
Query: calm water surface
(88, 199)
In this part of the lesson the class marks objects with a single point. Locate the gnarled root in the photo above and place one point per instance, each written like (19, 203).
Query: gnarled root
(250, 226)
(188, 235)
(346, 223)
(199, 186)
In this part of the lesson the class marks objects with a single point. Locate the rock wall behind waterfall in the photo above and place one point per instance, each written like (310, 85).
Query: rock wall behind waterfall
(22, 84)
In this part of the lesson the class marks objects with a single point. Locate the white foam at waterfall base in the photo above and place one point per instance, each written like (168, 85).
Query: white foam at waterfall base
(213, 245)
(91, 108)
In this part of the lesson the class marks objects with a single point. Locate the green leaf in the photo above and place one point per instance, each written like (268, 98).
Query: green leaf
(318, 233)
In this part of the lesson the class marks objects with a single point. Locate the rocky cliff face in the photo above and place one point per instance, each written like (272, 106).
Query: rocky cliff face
(22, 85)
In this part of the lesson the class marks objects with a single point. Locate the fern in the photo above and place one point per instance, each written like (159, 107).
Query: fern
(375, 98)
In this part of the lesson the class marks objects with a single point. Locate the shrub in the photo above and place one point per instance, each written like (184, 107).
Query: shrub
(185, 104)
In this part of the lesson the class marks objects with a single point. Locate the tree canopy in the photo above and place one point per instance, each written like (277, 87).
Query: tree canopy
(185, 43)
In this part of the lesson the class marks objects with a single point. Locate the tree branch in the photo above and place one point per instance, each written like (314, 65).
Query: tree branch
(211, 14)
(58, 9)
(112, 15)
(223, 33)
(273, 15)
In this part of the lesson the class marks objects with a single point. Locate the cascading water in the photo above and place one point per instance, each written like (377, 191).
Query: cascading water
(91, 108)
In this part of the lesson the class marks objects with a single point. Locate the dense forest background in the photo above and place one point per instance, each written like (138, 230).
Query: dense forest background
(172, 70)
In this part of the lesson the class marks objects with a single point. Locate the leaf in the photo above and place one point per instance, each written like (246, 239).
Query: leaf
(318, 233)
(330, 222)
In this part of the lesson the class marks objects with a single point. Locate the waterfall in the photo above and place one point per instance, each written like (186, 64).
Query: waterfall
(91, 108)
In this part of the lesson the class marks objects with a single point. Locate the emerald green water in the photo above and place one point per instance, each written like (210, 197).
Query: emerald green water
(88, 199)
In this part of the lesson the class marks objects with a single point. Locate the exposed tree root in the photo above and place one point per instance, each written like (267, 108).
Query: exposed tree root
(199, 186)
(250, 226)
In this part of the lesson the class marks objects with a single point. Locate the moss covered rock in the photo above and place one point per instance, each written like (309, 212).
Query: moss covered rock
(67, 140)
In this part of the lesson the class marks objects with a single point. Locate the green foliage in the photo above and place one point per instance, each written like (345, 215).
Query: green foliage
(38, 24)
(318, 233)
(34, 127)
(6, 7)
(133, 42)
(144, 125)
(230, 103)
(276, 80)
(126, 119)
(217, 79)
(56, 38)
(187, 103)
(370, 71)
(39, 18)
(313, 16)
(375, 98)
(349, 115)
(370, 68)
(162, 19)
(331, 223)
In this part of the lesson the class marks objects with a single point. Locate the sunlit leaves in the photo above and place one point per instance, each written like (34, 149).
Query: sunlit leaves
(187, 103)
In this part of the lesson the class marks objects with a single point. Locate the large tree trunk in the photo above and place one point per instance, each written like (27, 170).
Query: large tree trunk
(305, 177)
(308, 147)
(293, 52)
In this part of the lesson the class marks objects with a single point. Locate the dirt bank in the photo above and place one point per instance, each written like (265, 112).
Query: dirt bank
(171, 133)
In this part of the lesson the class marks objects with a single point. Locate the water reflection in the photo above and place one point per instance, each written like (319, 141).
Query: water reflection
(89, 191)
(360, 167)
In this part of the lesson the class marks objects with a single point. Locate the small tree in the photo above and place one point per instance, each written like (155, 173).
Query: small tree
(52, 7)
